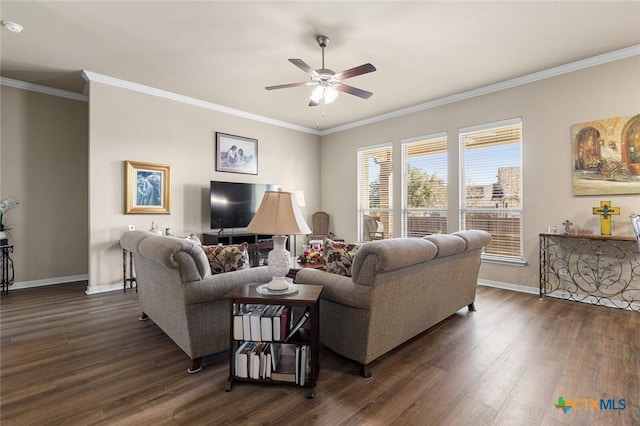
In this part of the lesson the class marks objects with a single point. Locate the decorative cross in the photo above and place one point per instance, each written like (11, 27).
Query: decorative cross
(567, 226)
(605, 211)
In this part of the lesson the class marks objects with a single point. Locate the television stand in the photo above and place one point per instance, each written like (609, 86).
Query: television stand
(259, 245)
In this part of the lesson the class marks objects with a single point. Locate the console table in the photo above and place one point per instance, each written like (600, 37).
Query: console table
(7, 267)
(600, 270)
(130, 277)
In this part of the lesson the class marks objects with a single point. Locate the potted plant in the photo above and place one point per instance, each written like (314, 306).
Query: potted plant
(5, 206)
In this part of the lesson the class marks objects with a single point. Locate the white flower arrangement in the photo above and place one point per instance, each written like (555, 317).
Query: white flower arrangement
(5, 206)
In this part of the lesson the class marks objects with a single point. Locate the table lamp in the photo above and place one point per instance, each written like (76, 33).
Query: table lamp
(278, 215)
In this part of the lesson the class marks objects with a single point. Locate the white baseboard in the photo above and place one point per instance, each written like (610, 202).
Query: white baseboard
(49, 281)
(63, 280)
(94, 289)
(508, 286)
(559, 294)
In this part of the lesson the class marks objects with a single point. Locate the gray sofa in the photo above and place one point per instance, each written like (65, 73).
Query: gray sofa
(177, 291)
(399, 288)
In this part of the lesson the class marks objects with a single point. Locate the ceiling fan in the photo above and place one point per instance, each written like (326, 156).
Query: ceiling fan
(327, 81)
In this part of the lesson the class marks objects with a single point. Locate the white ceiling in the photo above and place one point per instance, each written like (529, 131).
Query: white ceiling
(227, 52)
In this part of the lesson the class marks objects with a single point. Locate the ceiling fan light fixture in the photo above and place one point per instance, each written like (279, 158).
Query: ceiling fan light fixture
(317, 94)
(327, 94)
(330, 94)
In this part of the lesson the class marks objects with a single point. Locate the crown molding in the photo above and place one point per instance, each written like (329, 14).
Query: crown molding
(507, 84)
(91, 76)
(9, 82)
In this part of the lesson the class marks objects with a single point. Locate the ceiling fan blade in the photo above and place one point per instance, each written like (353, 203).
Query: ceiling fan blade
(284, 86)
(313, 103)
(353, 90)
(362, 69)
(304, 67)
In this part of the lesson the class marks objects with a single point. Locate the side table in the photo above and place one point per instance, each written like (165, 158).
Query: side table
(308, 297)
(7, 267)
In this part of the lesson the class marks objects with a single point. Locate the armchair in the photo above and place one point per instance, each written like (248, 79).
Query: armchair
(373, 228)
(319, 226)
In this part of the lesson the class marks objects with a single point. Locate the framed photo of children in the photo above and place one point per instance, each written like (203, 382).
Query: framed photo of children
(236, 154)
(147, 188)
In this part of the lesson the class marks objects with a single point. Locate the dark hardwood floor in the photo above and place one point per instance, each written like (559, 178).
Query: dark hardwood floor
(72, 359)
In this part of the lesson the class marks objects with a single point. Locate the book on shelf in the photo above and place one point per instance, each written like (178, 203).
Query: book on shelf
(266, 322)
(265, 361)
(304, 363)
(242, 359)
(276, 323)
(255, 323)
(298, 355)
(246, 325)
(285, 319)
(299, 323)
(238, 333)
(255, 360)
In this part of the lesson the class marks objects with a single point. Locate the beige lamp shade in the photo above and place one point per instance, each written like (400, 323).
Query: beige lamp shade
(278, 214)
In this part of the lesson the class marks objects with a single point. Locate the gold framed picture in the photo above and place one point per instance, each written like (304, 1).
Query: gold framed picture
(147, 188)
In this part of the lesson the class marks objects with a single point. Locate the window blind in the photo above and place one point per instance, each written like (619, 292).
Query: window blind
(491, 185)
(424, 185)
(375, 200)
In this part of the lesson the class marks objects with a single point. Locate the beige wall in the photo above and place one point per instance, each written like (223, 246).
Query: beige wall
(127, 125)
(44, 152)
(548, 108)
(44, 166)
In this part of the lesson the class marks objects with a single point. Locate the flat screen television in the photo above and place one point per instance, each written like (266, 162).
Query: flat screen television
(233, 204)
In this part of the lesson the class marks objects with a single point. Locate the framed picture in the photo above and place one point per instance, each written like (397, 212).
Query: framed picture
(236, 154)
(147, 188)
(606, 156)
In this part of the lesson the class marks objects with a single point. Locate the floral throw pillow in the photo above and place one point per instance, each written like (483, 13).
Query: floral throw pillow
(227, 258)
(338, 257)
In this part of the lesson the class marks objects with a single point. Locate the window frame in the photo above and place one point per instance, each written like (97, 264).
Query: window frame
(512, 259)
(405, 210)
(388, 230)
